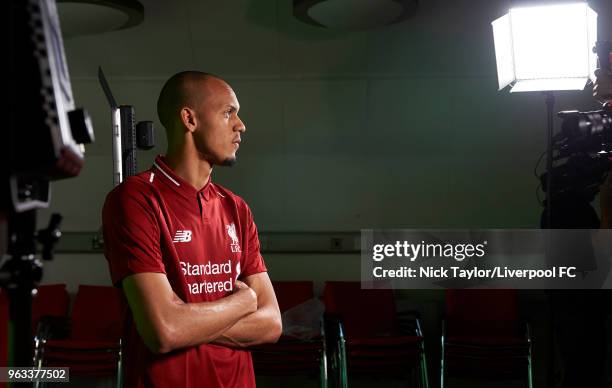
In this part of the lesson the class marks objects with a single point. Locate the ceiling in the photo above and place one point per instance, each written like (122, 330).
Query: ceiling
(254, 38)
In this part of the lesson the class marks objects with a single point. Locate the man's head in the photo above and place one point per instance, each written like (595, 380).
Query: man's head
(201, 110)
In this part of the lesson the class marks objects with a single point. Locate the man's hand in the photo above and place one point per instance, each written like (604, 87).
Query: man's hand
(262, 326)
(602, 90)
(246, 292)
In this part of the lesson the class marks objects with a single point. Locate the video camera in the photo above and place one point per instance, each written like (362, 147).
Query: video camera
(584, 149)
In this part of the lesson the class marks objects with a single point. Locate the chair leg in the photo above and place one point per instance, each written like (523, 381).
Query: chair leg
(442, 371)
(333, 369)
(423, 375)
(38, 358)
(529, 371)
(423, 367)
(442, 365)
(120, 366)
(323, 370)
(343, 366)
(421, 381)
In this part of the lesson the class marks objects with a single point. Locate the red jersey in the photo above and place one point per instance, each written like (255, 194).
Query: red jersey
(203, 241)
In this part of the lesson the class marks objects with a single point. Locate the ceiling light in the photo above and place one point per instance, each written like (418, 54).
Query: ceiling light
(353, 14)
(89, 17)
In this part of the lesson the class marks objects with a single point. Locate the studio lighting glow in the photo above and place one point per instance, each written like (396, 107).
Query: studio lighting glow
(546, 48)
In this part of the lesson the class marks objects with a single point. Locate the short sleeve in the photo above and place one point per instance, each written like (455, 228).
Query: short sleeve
(252, 260)
(131, 232)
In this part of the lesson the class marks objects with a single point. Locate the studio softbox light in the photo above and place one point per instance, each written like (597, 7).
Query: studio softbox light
(546, 48)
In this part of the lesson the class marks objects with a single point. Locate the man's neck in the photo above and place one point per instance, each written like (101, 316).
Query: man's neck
(189, 167)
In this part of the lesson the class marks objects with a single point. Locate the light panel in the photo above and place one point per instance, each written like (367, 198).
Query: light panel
(532, 85)
(592, 37)
(546, 47)
(502, 35)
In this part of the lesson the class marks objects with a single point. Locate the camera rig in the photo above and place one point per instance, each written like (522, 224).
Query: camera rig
(582, 154)
(582, 150)
(43, 141)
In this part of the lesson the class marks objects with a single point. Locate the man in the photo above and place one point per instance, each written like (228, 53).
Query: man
(186, 251)
(602, 91)
(580, 315)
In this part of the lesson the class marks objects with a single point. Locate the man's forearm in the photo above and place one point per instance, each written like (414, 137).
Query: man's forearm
(262, 326)
(166, 323)
(197, 323)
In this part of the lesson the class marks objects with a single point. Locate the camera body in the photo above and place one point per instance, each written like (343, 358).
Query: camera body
(583, 152)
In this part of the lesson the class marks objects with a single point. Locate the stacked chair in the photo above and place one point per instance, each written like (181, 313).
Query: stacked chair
(483, 336)
(293, 355)
(92, 344)
(365, 336)
(50, 307)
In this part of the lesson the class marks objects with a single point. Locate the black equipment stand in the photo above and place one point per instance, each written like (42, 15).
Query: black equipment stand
(20, 275)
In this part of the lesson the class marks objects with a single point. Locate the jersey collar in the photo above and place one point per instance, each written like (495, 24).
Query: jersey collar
(179, 184)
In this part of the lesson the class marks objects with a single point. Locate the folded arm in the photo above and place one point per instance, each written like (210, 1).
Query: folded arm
(166, 323)
(261, 326)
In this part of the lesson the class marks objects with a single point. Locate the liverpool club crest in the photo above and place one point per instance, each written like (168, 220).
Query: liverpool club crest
(231, 231)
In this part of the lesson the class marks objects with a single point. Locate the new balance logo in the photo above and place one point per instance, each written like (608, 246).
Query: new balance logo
(182, 236)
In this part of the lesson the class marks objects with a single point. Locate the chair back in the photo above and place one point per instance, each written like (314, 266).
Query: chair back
(364, 312)
(292, 293)
(50, 300)
(485, 312)
(98, 313)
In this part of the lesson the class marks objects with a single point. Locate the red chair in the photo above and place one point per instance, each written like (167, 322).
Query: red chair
(50, 301)
(4, 319)
(93, 346)
(368, 337)
(291, 293)
(291, 355)
(483, 336)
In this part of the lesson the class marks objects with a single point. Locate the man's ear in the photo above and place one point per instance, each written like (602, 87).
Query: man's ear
(188, 118)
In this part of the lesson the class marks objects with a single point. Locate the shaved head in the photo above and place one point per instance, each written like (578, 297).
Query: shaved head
(200, 114)
(184, 89)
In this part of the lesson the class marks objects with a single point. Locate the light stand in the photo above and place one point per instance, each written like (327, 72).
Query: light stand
(550, 103)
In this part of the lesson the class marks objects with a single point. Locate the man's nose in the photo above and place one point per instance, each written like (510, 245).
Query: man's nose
(240, 127)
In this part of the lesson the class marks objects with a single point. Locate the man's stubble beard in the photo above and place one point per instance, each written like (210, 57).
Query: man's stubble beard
(213, 161)
(228, 162)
